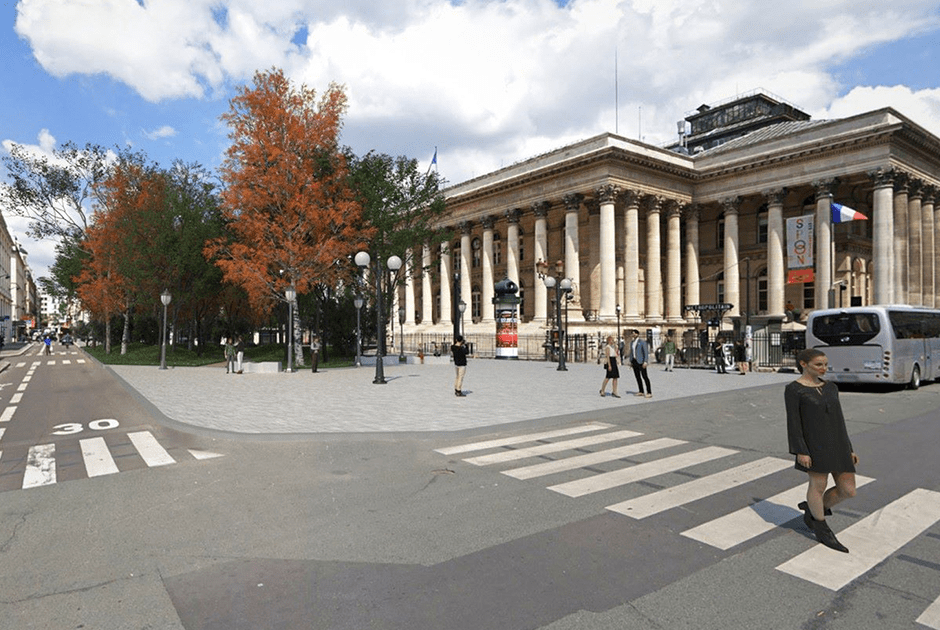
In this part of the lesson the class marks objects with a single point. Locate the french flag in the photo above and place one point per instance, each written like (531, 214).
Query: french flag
(841, 214)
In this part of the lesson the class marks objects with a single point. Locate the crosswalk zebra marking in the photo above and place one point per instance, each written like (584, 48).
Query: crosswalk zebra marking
(674, 496)
(590, 459)
(21, 364)
(521, 439)
(97, 457)
(150, 450)
(22, 386)
(742, 525)
(545, 449)
(631, 474)
(7, 414)
(931, 616)
(66, 362)
(16, 398)
(40, 466)
(870, 541)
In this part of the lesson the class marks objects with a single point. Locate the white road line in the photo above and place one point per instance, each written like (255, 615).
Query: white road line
(870, 541)
(98, 460)
(519, 439)
(80, 361)
(7, 414)
(2, 431)
(589, 459)
(149, 449)
(40, 466)
(16, 398)
(669, 498)
(51, 363)
(931, 616)
(203, 454)
(21, 364)
(554, 447)
(621, 477)
(66, 362)
(27, 378)
(752, 521)
(22, 387)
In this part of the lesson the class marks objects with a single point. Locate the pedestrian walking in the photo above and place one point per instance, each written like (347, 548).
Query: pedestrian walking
(818, 438)
(639, 361)
(459, 352)
(315, 351)
(669, 352)
(718, 351)
(740, 356)
(47, 342)
(229, 355)
(239, 354)
(608, 356)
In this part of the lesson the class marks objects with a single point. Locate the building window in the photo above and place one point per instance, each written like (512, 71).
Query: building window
(720, 233)
(720, 288)
(475, 301)
(762, 224)
(476, 246)
(497, 249)
(455, 256)
(762, 292)
(521, 246)
(521, 295)
(809, 295)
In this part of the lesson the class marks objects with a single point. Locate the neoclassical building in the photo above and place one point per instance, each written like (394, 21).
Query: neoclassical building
(647, 231)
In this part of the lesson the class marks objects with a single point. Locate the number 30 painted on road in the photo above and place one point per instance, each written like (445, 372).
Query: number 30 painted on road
(74, 427)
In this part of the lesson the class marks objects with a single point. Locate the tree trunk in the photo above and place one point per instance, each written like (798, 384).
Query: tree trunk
(126, 335)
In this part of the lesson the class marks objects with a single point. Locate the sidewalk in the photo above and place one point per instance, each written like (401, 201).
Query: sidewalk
(416, 398)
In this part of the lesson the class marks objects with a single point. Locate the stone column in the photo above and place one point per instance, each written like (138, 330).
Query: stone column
(465, 267)
(607, 195)
(776, 280)
(654, 259)
(823, 237)
(410, 289)
(731, 207)
(594, 260)
(673, 262)
(541, 253)
(901, 235)
(572, 244)
(512, 244)
(447, 275)
(427, 297)
(882, 235)
(930, 246)
(915, 256)
(631, 256)
(692, 287)
(487, 291)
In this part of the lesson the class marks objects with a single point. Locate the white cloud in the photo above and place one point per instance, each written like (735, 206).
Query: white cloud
(922, 107)
(489, 83)
(166, 131)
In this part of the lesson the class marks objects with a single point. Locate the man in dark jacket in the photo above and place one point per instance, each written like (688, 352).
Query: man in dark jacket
(459, 352)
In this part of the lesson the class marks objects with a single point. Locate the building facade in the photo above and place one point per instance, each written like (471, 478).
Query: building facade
(643, 232)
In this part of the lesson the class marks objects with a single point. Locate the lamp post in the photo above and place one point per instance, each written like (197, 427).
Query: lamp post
(564, 286)
(358, 302)
(394, 264)
(618, 328)
(401, 334)
(462, 307)
(290, 294)
(165, 298)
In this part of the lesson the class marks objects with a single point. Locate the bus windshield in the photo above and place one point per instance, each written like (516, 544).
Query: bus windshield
(846, 329)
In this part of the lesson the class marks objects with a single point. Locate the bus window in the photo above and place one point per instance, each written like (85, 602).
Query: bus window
(846, 329)
(906, 325)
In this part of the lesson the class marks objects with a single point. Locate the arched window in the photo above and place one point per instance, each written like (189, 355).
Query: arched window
(476, 246)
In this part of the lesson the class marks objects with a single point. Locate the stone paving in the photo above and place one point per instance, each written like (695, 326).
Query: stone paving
(415, 398)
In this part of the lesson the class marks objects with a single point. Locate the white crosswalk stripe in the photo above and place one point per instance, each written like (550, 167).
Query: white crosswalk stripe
(931, 616)
(40, 466)
(747, 523)
(98, 460)
(590, 459)
(521, 439)
(149, 449)
(870, 541)
(554, 447)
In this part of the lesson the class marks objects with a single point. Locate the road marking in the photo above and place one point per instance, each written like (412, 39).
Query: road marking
(621, 477)
(7, 414)
(22, 387)
(554, 447)
(51, 363)
(98, 460)
(40, 466)
(80, 361)
(589, 459)
(870, 541)
(203, 454)
(21, 364)
(16, 398)
(149, 449)
(669, 498)
(2, 431)
(931, 616)
(752, 521)
(519, 439)
(66, 362)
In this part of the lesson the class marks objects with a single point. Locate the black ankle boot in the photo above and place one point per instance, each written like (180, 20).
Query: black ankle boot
(808, 515)
(826, 537)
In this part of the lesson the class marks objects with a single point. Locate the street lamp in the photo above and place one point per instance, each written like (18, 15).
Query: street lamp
(165, 298)
(394, 264)
(358, 302)
(290, 294)
(462, 307)
(564, 286)
(401, 334)
(618, 328)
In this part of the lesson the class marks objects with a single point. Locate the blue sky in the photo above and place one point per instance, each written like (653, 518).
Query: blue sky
(488, 83)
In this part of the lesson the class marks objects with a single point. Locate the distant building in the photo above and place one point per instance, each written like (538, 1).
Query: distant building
(18, 293)
(647, 231)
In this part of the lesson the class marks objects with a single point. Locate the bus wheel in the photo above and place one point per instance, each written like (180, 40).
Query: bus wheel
(915, 378)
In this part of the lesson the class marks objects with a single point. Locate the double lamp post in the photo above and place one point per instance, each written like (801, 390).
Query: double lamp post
(363, 260)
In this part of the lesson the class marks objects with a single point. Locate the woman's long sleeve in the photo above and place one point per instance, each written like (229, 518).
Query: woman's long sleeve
(795, 422)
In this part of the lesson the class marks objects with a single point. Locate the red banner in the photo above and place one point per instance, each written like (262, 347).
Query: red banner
(797, 276)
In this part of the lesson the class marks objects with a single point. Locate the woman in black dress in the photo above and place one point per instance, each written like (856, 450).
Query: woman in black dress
(608, 355)
(820, 441)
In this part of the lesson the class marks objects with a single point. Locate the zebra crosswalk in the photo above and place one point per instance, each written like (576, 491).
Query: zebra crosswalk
(581, 449)
(44, 464)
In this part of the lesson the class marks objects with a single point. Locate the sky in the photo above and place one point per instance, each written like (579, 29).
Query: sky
(484, 83)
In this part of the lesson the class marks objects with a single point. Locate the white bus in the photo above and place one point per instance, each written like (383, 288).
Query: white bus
(878, 344)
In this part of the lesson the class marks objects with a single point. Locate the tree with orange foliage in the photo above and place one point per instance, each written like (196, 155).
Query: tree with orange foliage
(291, 214)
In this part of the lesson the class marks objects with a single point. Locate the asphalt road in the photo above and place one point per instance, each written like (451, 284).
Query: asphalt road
(386, 531)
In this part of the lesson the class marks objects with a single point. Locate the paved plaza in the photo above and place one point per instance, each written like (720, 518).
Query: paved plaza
(416, 397)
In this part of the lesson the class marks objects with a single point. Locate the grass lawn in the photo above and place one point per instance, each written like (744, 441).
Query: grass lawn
(141, 354)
